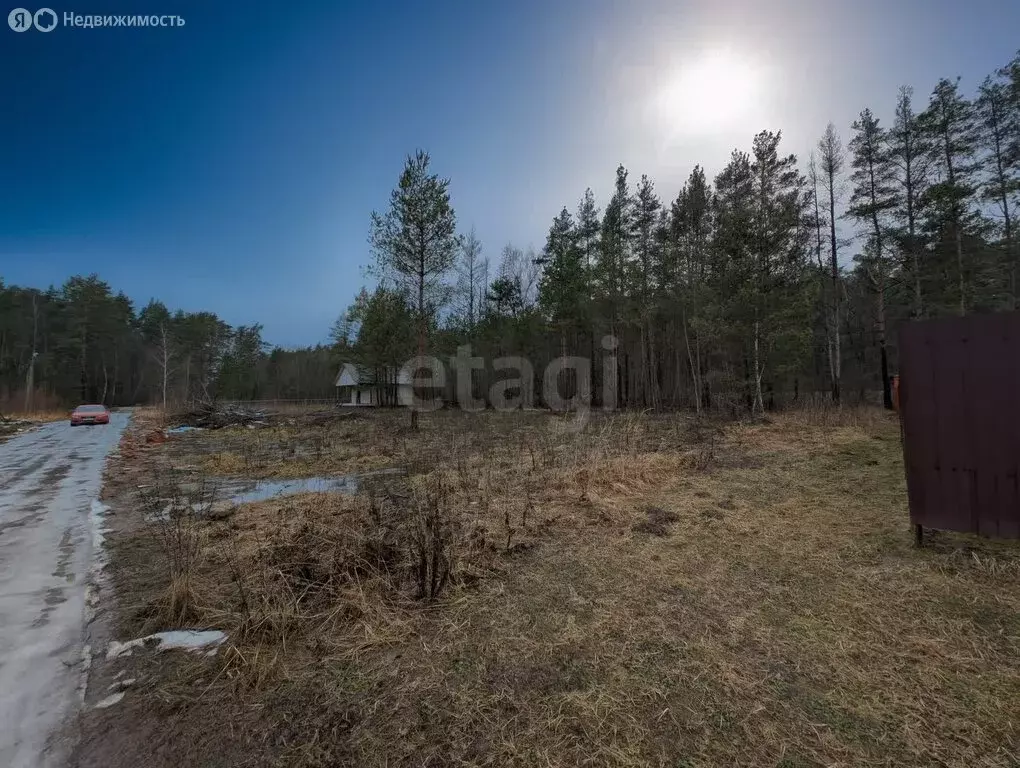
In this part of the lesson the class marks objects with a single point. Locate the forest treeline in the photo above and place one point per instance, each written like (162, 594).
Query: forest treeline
(779, 279)
(90, 345)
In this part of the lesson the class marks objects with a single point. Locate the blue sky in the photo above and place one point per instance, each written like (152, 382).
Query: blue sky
(232, 164)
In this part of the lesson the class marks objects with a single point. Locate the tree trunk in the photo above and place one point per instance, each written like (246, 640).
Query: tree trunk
(695, 367)
(880, 285)
(959, 266)
(30, 386)
(912, 236)
(106, 382)
(421, 332)
(837, 359)
(758, 406)
(883, 352)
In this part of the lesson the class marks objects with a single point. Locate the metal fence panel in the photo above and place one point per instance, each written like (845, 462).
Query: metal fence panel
(961, 422)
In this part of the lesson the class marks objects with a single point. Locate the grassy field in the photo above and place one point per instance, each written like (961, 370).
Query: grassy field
(629, 590)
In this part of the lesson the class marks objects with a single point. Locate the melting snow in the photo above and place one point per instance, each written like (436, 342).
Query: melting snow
(182, 429)
(109, 701)
(186, 639)
(97, 520)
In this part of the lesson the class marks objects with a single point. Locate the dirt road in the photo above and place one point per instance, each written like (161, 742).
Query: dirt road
(49, 482)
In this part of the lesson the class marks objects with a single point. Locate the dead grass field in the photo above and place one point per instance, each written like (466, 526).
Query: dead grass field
(635, 590)
(53, 414)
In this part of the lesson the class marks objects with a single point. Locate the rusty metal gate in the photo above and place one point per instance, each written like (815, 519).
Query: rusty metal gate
(960, 414)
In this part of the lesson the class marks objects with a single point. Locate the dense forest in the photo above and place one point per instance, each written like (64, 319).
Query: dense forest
(89, 344)
(781, 279)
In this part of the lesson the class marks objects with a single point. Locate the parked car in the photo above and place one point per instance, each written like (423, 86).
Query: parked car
(90, 414)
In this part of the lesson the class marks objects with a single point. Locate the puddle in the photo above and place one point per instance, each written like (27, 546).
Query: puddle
(228, 494)
(272, 489)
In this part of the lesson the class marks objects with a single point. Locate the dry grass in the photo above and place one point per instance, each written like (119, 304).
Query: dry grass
(54, 414)
(635, 590)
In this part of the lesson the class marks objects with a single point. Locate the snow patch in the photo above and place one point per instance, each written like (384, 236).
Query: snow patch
(86, 667)
(182, 429)
(97, 521)
(185, 639)
(109, 701)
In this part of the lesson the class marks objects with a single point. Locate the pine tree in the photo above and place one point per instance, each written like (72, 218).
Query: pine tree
(383, 323)
(588, 237)
(562, 290)
(686, 271)
(158, 333)
(998, 125)
(777, 250)
(909, 153)
(1011, 75)
(416, 241)
(734, 210)
(832, 158)
(949, 125)
(643, 236)
(643, 222)
(871, 202)
(614, 245)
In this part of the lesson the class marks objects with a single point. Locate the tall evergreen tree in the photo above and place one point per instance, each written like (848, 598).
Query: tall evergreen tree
(777, 251)
(832, 158)
(949, 125)
(998, 126)
(614, 246)
(588, 237)
(416, 240)
(686, 272)
(645, 225)
(909, 152)
(872, 200)
(562, 292)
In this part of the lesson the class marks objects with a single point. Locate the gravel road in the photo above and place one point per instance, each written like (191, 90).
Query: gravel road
(50, 479)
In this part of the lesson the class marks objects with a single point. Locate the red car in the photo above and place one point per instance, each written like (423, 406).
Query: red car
(90, 414)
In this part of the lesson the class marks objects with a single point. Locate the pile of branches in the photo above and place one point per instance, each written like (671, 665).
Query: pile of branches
(212, 415)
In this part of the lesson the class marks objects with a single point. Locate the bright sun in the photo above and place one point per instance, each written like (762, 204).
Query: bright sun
(717, 91)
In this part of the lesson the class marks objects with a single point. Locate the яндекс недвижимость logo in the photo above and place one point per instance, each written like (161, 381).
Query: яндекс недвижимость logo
(22, 19)
(46, 20)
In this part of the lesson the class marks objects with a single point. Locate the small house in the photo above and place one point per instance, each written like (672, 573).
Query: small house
(363, 385)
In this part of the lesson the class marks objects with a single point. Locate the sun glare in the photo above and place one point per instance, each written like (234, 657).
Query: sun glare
(716, 91)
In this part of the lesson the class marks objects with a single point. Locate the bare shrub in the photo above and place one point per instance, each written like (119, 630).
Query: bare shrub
(172, 510)
(434, 531)
(705, 436)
